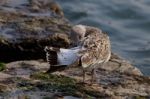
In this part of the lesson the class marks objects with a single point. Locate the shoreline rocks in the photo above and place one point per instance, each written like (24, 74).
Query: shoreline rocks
(25, 33)
(121, 82)
(25, 30)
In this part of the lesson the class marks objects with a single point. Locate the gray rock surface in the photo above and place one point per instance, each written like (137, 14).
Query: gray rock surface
(25, 31)
(117, 80)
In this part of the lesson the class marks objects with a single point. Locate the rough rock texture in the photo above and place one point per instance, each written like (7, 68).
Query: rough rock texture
(119, 64)
(26, 26)
(117, 80)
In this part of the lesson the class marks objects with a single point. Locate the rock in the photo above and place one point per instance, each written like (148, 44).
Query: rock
(4, 88)
(26, 26)
(4, 76)
(117, 63)
(25, 33)
(28, 77)
(25, 68)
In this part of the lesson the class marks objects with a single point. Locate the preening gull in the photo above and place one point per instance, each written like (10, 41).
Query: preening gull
(92, 49)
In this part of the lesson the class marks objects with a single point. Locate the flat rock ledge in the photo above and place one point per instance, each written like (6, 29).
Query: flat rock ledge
(118, 79)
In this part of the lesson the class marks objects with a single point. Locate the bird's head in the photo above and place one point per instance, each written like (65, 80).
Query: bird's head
(79, 30)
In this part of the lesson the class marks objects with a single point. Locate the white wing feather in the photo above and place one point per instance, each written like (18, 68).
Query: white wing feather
(68, 56)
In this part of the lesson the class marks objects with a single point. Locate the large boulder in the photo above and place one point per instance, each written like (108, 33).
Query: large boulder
(117, 80)
(26, 26)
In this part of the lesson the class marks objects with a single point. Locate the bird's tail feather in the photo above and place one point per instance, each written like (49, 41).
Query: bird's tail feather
(56, 68)
(52, 59)
(60, 59)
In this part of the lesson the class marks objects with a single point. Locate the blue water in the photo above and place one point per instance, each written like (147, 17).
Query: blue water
(127, 22)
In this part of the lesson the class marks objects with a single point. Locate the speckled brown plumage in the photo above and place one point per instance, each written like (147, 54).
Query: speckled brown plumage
(93, 49)
(97, 49)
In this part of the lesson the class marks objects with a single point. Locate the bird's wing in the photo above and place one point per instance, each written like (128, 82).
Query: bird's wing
(67, 56)
(96, 45)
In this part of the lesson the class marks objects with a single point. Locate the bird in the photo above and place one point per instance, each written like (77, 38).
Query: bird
(91, 48)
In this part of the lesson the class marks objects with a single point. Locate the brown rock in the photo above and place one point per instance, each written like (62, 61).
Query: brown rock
(116, 63)
(4, 88)
(112, 83)
(25, 32)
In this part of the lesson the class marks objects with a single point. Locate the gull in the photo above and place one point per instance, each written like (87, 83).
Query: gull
(92, 49)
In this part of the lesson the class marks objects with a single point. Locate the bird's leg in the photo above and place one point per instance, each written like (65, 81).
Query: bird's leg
(83, 76)
(92, 75)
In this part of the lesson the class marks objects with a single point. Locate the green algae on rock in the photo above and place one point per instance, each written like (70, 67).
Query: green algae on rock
(55, 82)
(113, 84)
(64, 84)
(2, 66)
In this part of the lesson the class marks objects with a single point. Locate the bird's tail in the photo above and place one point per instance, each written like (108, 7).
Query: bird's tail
(60, 58)
(51, 55)
(52, 59)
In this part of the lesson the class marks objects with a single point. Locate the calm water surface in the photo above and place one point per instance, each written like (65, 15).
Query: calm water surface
(127, 22)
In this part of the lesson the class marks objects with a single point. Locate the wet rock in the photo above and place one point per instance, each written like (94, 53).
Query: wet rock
(24, 32)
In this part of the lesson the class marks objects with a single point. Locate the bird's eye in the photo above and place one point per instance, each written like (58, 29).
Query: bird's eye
(79, 37)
